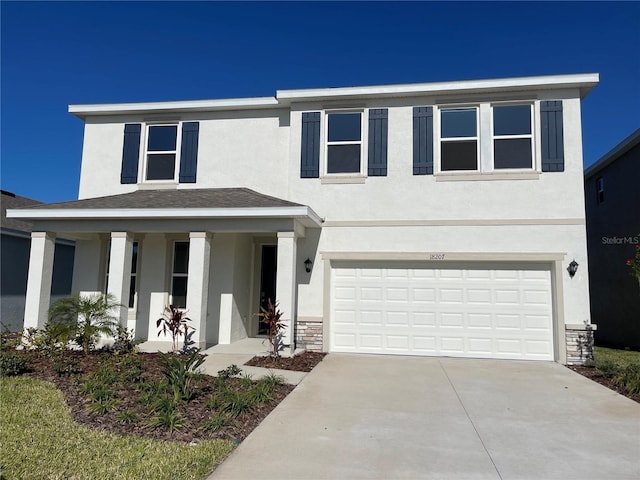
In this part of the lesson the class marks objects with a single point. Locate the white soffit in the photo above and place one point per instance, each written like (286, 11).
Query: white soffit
(585, 82)
(300, 213)
(83, 111)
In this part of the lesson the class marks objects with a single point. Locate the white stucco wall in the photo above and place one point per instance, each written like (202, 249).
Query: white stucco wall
(247, 149)
(535, 213)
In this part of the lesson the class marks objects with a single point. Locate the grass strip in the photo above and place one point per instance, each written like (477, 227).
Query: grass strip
(622, 358)
(40, 440)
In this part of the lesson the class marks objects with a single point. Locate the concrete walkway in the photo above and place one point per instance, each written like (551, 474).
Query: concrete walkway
(384, 417)
(238, 353)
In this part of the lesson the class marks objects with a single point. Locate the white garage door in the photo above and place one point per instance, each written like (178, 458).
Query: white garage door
(460, 312)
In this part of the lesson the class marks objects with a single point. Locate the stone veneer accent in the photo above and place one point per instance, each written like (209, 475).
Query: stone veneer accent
(579, 340)
(309, 335)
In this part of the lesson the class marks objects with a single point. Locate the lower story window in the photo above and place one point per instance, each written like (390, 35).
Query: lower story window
(179, 274)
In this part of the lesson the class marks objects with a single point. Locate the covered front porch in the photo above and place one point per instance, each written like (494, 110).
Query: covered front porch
(218, 253)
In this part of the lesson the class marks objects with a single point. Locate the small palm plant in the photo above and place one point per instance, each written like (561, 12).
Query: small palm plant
(175, 321)
(271, 316)
(87, 316)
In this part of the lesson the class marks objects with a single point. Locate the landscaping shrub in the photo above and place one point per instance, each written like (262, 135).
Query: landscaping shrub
(85, 318)
(124, 341)
(628, 377)
(9, 340)
(215, 422)
(180, 371)
(66, 366)
(229, 372)
(174, 320)
(271, 317)
(50, 340)
(12, 364)
(127, 417)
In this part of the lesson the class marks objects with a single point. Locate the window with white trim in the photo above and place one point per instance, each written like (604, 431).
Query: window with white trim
(344, 142)
(161, 152)
(486, 137)
(180, 274)
(459, 139)
(512, 136)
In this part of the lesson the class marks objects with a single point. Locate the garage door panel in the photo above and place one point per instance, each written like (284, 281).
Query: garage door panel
(499, 313)
(421, 319)
(480, 345)
(451, 295)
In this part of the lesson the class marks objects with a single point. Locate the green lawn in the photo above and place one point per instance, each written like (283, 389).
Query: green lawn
(619, 357)
(39, 440)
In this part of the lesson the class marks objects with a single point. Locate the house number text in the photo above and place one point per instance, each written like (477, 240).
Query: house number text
(436, 256)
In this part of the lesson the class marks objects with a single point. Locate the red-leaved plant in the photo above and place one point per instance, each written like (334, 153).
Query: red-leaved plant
(271, 317)
(175, 321)
(634, 264)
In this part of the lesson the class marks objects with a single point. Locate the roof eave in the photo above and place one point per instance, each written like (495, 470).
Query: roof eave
(623, 147)
(583, 82)
(86, 110)
(303, 213)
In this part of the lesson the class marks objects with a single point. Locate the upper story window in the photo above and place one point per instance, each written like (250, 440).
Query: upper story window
(344, 142)
(161, 152)
(459, 139)
(344, 146)
(512, 137)
(486, 137)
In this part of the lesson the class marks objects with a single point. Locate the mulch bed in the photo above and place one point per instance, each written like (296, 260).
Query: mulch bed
(195, 412)
(303, 362)
(596, 375)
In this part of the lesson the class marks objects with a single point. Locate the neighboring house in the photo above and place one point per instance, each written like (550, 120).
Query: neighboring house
(15, 243)
(612, 189)
(420, 219)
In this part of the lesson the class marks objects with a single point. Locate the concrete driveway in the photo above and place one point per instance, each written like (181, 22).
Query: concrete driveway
(384, 417)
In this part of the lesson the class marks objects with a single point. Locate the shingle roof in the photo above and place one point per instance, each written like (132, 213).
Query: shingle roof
(188, 198)
(11, 200)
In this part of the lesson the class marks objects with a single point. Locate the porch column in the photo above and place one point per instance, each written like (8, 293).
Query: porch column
(198, 284)
(38, 295)
(286, 284)
(153, 287)
(120, 272)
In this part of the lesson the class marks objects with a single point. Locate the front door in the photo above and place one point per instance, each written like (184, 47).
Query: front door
(267, 281)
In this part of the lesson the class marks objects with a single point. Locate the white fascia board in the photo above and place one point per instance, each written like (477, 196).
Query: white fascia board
(157, 213)
(585, 82)
(83, 111)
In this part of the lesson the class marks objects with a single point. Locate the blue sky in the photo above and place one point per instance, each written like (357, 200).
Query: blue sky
(58, 53)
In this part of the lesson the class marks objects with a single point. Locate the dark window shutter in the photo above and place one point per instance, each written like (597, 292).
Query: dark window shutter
(189, 152)
(130, 153)
(310, 156)
(552, 136)
(378, 133)
(423, 140)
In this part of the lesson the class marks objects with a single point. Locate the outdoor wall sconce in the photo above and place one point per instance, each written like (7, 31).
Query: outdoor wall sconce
(572, 268)
(307, 265)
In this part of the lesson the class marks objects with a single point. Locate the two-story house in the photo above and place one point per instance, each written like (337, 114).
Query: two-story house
(421, 219)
